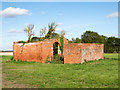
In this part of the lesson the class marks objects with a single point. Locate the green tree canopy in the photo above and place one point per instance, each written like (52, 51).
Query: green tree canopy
(51, 30)
(112, 45)
(91, 37)
(35, 39)
(76, 40)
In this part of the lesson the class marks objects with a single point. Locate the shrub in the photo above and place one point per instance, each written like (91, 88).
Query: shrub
(56, 59)
(35, 39)
(61, 47)
(11, 58)
(21, 42)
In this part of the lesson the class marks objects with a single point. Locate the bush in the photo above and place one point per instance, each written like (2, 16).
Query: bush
(11, 58)
(35, 39)
(21, 42)
(61, 42)
(56, 59)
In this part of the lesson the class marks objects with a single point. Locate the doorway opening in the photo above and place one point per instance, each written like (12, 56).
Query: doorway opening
(55, 48)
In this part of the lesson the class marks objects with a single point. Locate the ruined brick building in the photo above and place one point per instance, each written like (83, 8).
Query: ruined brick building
(73, 53)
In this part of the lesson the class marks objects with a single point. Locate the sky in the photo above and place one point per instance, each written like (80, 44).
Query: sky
(73, 17)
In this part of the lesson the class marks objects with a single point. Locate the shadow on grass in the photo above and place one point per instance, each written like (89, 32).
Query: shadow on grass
(26, 62)
(111, 58)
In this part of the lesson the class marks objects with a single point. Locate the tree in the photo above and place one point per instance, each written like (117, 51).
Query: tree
(51, 30)
(35, 39)
(29, 31)
(77, 40)
(91, 37)
(112, 45)
(103, 39)
(54, 35)
(62, 33)
(69, 41)
(43, 32)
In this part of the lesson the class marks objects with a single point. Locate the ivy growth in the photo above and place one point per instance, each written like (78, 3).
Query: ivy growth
(61, 47)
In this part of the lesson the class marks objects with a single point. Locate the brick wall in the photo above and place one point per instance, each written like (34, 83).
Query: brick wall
(37, 51)
(73, 53)
(28, 51)
(78, 53)
(92, 52)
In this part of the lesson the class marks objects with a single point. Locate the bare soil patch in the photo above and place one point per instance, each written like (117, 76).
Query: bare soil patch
(12, 84)
(6, 53)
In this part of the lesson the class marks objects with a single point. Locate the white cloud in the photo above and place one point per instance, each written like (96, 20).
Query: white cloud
(43, 12)
(115, 14)
(60, 23)
(12, 12)
(14, 31)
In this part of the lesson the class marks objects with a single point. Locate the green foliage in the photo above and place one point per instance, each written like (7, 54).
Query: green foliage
(77, 40)
(112, 45)
(103, 39)
(91, 37)
(69, 41)
(51, 30)
(62, 33)
(29, 31)
(21, 42)
(61, 42)
(19, 61)
(43, 32)
(47, 61)
(11, 58)
(54, 36)
(6, 58)
(97, 74)
(111, 56)
(50, 34)
(56, 59)
(34, 39)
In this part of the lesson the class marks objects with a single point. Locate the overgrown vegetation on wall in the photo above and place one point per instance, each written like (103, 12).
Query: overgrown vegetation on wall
(61, 42)
(21, 42)
(43, 33)
(56, 59)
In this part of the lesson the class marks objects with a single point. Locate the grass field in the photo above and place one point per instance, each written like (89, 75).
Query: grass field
(93, 74)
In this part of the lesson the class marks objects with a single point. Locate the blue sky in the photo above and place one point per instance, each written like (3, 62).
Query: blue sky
(74, 18)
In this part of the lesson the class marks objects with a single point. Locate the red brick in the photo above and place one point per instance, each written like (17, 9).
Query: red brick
(37, 51)
(78, 53)
(73, 53)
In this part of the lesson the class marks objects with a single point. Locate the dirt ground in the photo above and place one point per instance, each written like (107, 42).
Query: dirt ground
(9, 84)
(6, 53)
(13, 84)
